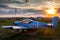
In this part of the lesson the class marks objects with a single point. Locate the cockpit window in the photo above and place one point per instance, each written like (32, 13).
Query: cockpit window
(26, 21)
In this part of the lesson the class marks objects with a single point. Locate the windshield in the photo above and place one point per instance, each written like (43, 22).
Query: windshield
(26, 21)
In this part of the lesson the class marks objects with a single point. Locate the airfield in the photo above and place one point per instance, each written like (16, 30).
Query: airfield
(31, 8)
(36, 34)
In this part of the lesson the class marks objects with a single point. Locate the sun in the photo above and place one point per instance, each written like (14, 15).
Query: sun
(51, 11)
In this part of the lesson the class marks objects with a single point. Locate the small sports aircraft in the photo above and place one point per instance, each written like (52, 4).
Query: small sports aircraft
(30, 24)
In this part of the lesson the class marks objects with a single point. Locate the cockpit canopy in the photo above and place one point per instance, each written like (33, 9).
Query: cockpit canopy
(26, 21)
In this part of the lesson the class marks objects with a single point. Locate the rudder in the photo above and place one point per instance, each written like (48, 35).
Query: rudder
(55, 21)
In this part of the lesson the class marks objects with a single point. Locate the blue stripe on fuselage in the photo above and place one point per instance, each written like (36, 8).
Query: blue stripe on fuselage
(37, 25)
(33, 24)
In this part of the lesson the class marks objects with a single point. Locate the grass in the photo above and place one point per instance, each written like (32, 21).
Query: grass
(44, 34)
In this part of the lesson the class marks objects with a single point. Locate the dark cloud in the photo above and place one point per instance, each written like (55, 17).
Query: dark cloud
(3, 6)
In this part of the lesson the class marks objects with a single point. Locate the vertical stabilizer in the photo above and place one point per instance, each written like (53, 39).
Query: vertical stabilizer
(55, 21)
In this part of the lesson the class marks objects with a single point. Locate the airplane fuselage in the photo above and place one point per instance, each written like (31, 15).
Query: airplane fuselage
(32, 24)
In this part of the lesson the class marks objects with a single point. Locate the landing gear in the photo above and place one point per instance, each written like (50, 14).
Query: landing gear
(27, 32)
(19, 31)
(31, 32)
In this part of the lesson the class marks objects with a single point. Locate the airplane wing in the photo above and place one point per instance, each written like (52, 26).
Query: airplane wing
(14, 27)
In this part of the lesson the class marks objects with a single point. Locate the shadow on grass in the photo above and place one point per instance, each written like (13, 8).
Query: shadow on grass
(44, 34)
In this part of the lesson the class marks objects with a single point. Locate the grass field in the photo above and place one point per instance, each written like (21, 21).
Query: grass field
(44, 34)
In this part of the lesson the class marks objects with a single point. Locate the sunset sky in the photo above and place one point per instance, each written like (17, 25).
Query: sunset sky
(33, 7)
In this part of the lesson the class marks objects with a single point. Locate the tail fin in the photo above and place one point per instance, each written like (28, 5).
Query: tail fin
(55, 21)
